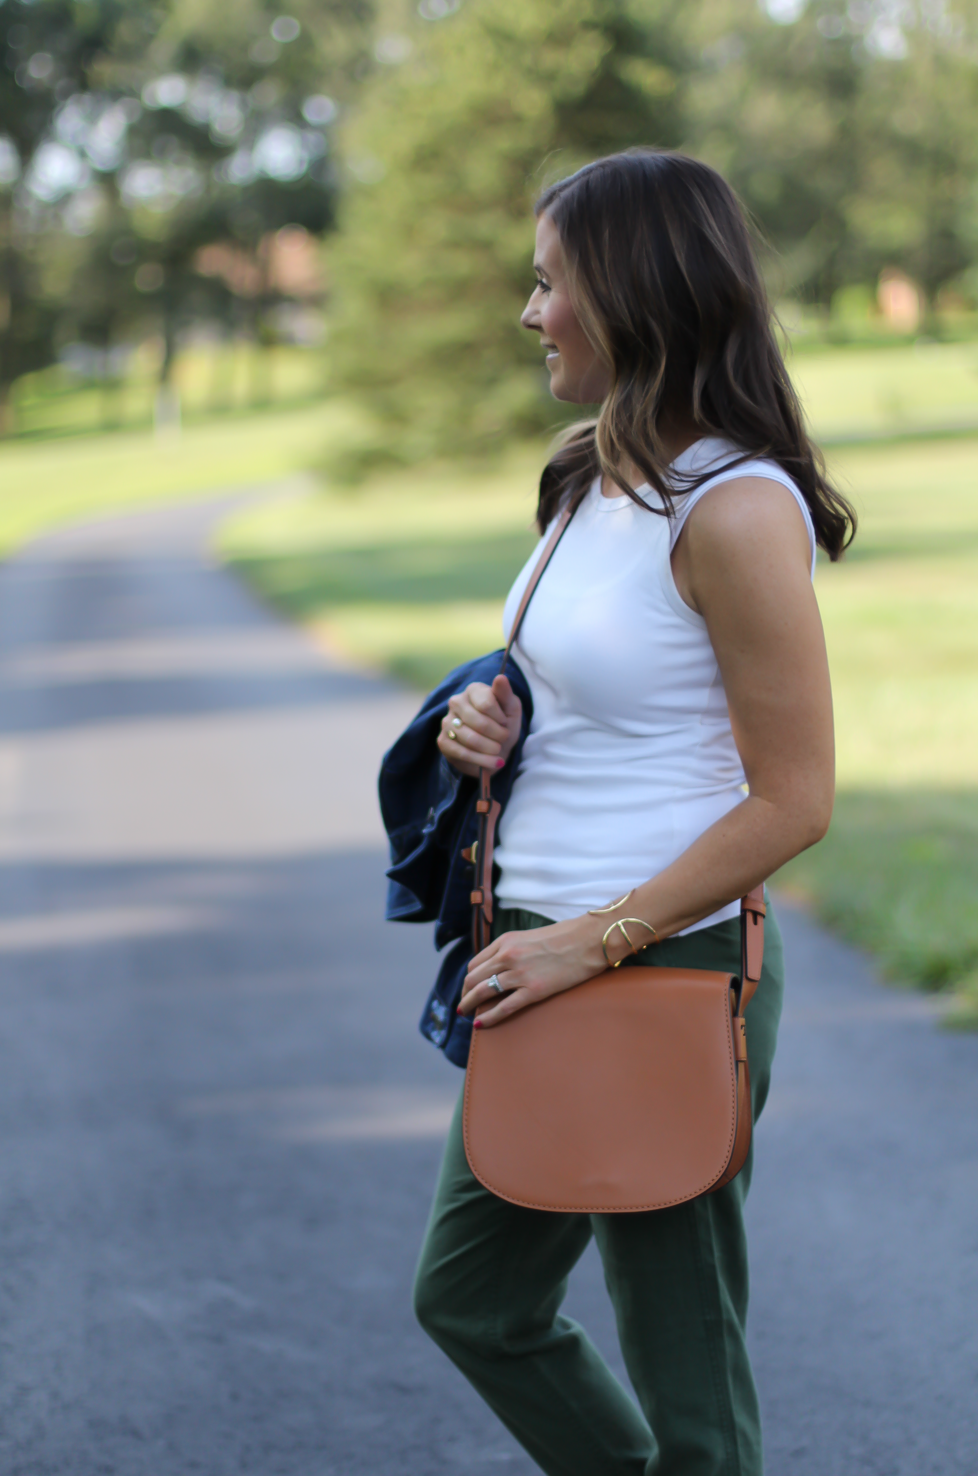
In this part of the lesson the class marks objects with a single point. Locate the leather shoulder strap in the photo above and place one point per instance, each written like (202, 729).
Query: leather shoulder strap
(753, 910)
(486, 807)
(546, 554)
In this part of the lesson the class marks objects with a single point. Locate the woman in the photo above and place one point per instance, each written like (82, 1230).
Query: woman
(680, 752)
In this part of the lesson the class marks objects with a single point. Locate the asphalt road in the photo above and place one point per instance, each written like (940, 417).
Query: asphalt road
(221, 1128)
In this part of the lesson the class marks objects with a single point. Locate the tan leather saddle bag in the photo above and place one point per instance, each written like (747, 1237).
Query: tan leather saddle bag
(628, 1092)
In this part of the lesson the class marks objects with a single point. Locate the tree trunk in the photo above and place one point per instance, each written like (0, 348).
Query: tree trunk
(6, 411)
(166, 412)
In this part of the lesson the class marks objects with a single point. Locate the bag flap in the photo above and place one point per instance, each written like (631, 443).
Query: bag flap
(619, 1094)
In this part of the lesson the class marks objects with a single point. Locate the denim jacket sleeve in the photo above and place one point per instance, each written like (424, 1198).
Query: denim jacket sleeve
(428, 810)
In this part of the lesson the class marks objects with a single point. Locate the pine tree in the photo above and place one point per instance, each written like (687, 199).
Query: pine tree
(452, 141)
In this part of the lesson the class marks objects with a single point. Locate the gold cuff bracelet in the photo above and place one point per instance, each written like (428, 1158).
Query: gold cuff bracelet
(619, 923)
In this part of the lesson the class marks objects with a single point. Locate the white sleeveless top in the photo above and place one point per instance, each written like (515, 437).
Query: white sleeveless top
(630, 756)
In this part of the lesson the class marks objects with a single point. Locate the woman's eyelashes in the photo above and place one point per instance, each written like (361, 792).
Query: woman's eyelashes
(543, 286)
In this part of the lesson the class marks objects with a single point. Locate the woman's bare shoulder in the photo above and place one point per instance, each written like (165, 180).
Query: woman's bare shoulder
(740, 528)
(745, 515)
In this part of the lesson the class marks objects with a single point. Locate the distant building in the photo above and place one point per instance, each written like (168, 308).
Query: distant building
(900, 300)
(286, 262)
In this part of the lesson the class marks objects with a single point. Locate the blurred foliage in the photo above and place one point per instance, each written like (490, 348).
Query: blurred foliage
(851, 134)
(449, 147)
(133, 135)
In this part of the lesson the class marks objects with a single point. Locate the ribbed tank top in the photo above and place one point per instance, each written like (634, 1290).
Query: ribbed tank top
(630, 755)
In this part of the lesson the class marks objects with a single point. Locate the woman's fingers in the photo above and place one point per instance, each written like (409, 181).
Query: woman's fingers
(480, 727)
(512, 707)
(510, 1004)
(495, 958)
(459, 747)
(477, 719)
(487, 1005)
(494, 962)
(470, 737)
(478, 997)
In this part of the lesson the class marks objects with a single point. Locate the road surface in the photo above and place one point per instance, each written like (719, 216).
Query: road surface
(221, 1126)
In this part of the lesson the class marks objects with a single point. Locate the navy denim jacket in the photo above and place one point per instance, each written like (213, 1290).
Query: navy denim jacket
(429, 815)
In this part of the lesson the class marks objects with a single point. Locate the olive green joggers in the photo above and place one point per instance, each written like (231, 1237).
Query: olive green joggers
(493, 1275)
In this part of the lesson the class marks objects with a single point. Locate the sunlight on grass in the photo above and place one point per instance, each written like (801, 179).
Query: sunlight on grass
(901, 617)
(210, 379)
(46, 483)
(408, 573)
(424, 505)
(416, 643)
(859, 391)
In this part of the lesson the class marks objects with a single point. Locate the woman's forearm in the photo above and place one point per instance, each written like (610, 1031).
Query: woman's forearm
(746, 847)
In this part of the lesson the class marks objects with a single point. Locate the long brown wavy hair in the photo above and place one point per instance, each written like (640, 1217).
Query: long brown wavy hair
(666, 285)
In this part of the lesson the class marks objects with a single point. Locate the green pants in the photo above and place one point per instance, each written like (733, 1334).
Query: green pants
(493, 1275)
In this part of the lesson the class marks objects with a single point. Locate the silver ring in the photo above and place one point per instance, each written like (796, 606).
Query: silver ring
(495, 984)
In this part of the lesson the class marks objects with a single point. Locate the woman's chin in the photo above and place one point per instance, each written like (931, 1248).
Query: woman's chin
(561, 391)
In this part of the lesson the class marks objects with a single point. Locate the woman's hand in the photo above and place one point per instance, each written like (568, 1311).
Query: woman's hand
(531, 966)
(481, 727)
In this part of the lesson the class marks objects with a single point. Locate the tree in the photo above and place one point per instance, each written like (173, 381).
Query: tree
(452, 139)
(232, 141)
(850, 132)
(144, 133)
(49, 49)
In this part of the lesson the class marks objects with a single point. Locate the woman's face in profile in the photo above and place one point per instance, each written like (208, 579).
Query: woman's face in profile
(577, 374)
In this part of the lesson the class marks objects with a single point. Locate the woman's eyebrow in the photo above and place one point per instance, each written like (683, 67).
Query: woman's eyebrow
(540, 271)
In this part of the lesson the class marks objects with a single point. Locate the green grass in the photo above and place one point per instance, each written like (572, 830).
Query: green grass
(861, 392)
(866, 389)
(898, 875)
(46, 483)
(212, 380)
(898, 871)
(406, 573)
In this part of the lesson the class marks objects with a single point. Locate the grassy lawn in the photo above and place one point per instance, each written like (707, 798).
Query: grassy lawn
(882, 391)
(213, 379)
(409, 572)
(406, 573)
(898, 872)
(46, 483)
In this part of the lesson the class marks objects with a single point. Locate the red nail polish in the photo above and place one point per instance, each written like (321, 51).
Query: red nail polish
(500, 763)
(476, 1024)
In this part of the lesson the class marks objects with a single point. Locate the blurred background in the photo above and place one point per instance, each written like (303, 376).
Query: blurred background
(270, 437)
(238, 244)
